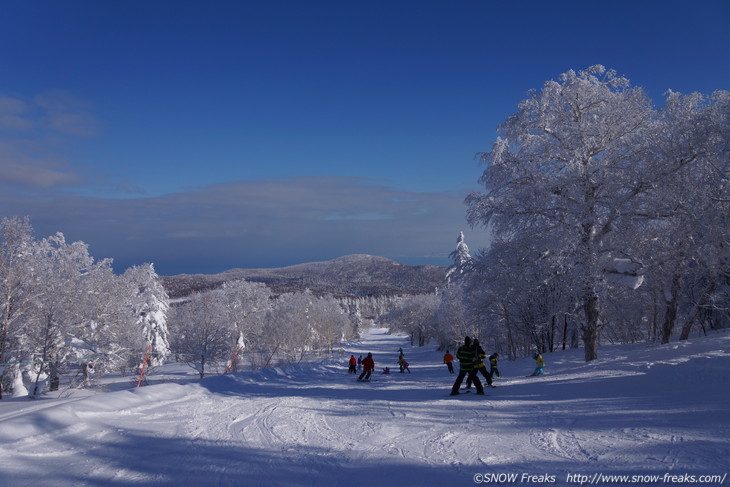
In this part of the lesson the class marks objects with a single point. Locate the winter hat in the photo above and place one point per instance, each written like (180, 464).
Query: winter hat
(467, 340)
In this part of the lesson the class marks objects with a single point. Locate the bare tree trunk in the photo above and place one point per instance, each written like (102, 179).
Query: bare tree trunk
(268, 361)
(512, 346)
(687, 328)
(670, 313)
(53, 372)
(655, 318)
(551, 336)
(591, 327)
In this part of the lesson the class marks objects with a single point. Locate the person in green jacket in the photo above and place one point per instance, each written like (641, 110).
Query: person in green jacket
(465, 355)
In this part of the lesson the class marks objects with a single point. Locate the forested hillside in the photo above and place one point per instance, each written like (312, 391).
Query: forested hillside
(351, 275)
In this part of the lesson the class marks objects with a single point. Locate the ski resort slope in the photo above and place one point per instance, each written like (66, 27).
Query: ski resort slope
(639, 411)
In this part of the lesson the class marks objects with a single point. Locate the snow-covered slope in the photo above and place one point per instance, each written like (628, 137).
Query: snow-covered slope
(641, 410)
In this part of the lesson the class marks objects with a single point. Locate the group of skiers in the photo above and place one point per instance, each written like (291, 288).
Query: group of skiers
(471, 362)
(493, 370)
(367, 366)
(471, 357)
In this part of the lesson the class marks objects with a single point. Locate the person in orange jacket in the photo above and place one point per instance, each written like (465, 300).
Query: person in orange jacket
(368, 365)
(449, 361)
(353, 365)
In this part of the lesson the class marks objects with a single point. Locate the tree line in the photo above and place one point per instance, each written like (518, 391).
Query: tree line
(609, 221)
(65, 314)
(245, 322)
(62, 311)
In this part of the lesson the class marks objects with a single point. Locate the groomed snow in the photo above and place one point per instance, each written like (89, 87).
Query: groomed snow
(638, 410)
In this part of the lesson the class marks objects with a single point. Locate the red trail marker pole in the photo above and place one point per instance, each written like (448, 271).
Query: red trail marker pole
(144, 365)
(233, 360)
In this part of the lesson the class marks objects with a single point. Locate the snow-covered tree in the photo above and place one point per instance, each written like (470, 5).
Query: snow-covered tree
(16, 241)
(201, 333)
(461, 258)
(329, 323)
(571, 172)
(104, 333)
(245, 305)
(289, 325)
(150, 305)
(414, 315)
(60, 271)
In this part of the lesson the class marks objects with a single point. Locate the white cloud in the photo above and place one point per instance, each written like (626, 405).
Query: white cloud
(33, 134)
(256, 223)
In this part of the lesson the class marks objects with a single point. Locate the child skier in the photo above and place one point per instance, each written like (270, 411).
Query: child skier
(493, 370)
(540, 364)
(449, 361)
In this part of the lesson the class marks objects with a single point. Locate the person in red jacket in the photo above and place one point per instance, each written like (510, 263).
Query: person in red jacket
(368, 365)
(353, 365)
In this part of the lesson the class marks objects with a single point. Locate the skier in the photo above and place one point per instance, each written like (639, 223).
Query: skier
(386, 370)
(449, 361)
(540, 364)
(403, 364)
(465, 354)
(493, 370)
(359, 363)
(353, 365)
(479, 365)
(368, 365)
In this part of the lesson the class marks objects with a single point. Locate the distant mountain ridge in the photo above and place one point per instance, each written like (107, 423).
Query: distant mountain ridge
(351, 275)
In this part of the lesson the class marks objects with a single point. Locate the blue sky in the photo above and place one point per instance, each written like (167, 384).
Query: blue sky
(203, 136)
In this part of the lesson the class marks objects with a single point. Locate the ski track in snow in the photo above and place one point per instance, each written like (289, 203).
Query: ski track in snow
(638, 410)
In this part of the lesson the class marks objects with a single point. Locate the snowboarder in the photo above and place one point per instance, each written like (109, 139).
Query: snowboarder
(368, 365)
(465, 354)
(449, 361)
(540, 364)
(353, 365)
(479, 366)
(493, 370)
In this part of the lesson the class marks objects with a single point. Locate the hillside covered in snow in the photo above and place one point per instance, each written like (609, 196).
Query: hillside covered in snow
(642, 414)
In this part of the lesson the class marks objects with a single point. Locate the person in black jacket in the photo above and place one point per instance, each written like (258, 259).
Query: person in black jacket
(479, 365)
(465, 355)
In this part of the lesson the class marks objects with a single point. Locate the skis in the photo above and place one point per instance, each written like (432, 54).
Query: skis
(465, 393)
